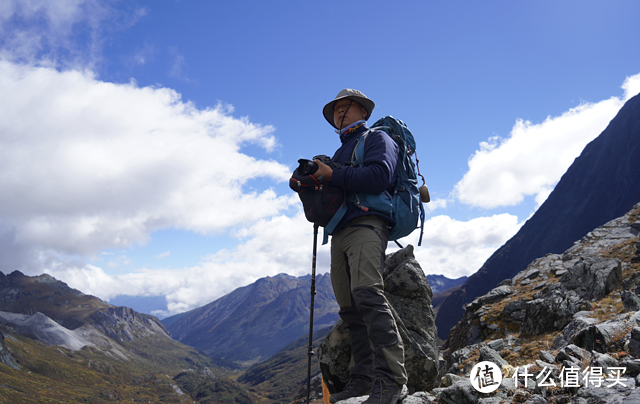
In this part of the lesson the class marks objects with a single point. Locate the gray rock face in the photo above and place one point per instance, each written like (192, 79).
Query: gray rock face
(5, 356)
(588, 280)
(634, 342)
(409, 295)
(44, 330)
(630, 301)
(125, 324)
(593, 278)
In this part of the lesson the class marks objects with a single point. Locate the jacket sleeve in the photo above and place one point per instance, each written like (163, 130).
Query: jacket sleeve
(379, 171)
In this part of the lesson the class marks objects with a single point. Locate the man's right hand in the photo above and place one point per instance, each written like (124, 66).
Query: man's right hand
(323, 170)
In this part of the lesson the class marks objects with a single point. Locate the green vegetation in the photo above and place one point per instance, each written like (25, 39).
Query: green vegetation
(51, 374)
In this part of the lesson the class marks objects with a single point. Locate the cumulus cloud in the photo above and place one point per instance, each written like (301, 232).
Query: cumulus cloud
(533, 158)
(283, 244)
(456, 248)
(87, 165)
(280, 244)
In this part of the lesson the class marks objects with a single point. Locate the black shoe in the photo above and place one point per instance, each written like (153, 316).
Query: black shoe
(384, 391)
(357, 386)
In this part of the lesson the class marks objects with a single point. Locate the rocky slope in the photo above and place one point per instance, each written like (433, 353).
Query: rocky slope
(73, 309)
(568, 325)
(578, 308)
(95, 352)
(601, 184)
(254, 322)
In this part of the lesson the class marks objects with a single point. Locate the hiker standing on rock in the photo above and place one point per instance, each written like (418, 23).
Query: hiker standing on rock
(358, 247)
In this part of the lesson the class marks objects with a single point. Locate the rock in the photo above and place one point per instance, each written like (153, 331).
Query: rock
(450, 379)
(125, 324)
(553, 312)
(490, 400)
(634, 342)
(488, 354)
(497, 294)
(597, 395)
(44, 329)
(630, 301)
(546, 356)
(555, 371)
(5, 355)
(574, 354)
(315, 392)
(535, 399)
(632, 366)
(497, 344)
(409, 295)
(588, 280)
(592, 339)
(593, 278)
(420, 397)
(580, 322)
(460, 391)
(514, 311)
(604, 361)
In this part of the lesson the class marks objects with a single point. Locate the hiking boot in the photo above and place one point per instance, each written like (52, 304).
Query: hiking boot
(384, 391)
(357, 386)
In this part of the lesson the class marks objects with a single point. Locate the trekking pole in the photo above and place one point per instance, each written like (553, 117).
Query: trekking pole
(310, 352)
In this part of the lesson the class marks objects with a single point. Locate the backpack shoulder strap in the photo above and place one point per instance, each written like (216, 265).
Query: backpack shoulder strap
(357, 156)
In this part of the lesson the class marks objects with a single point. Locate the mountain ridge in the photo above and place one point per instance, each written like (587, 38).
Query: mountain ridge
(600, 185)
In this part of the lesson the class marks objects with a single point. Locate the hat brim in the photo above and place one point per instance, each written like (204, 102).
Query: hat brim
(327, 111)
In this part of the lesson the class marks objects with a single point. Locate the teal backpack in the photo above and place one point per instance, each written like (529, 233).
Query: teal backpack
(405, 205)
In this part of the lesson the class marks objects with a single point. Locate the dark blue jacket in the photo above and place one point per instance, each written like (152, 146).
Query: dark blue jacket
(377, 175)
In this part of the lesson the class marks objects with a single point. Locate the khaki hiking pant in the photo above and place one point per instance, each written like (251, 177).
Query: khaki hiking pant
(357, 262)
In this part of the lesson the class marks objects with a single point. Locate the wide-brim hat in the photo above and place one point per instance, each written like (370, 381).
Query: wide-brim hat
(352, 94)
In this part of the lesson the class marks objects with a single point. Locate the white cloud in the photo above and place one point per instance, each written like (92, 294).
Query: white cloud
(61, 32)
(87, 165)
(631, 86)
(178, 65)
(280, 244)
(164, 255)
(455, 248)
(284, 244)
(534, 157)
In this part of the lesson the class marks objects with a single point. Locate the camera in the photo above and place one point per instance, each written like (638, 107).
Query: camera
(307, 167)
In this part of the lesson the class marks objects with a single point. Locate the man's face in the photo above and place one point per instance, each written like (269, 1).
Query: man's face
(353, 114)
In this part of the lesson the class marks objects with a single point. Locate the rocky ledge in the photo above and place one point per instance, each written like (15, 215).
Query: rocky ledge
(564, 330)
(569, 324)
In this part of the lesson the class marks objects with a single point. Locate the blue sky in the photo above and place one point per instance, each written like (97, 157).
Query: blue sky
(145, 146)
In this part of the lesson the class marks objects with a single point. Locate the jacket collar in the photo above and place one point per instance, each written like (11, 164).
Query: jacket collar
(345, 137)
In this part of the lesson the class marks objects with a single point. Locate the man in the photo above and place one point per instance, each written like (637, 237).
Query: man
(358, 247)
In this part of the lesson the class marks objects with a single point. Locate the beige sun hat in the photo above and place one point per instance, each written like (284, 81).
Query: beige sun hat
(352, 94)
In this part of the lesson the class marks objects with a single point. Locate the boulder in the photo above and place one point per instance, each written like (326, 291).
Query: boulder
(630, 301)
(489, 354)
(457, 390)
(409, 295)
(593, 278)
(634, 342)
(590, 279)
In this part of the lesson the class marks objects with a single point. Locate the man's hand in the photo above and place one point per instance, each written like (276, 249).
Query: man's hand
(323, 170)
